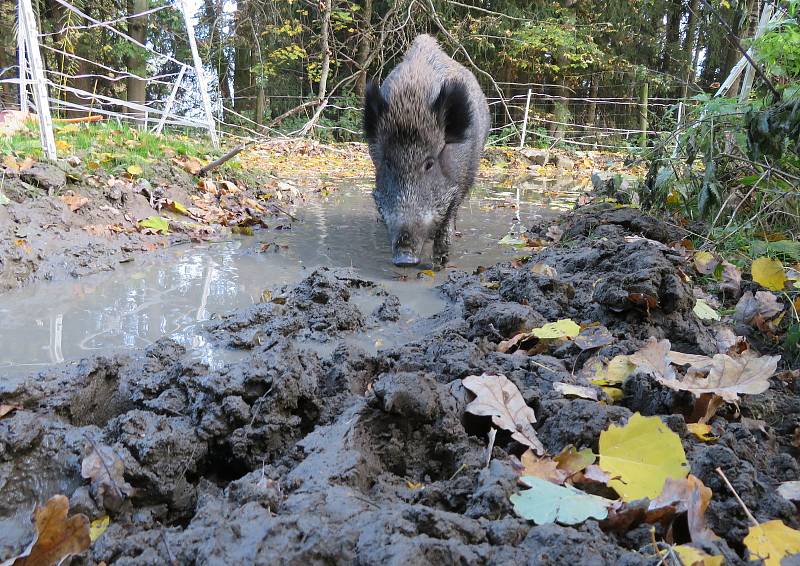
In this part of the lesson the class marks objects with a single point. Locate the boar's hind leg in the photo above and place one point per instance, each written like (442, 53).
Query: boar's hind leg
(441, 241)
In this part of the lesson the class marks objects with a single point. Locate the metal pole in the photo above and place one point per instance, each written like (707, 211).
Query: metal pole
(525, 121)
(750, 73)
(170, 101)
(23, 62)
(39, 83)
(201, 78)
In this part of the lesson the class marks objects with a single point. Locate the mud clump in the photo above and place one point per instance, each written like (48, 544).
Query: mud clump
(340, 456)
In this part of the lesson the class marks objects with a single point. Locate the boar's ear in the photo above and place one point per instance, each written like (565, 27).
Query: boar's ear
(452, 110)
(374, 107)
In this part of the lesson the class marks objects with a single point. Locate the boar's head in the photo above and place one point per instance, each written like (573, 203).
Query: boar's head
(414, 144)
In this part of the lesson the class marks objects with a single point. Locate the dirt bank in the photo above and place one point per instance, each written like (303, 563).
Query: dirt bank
(292, 456)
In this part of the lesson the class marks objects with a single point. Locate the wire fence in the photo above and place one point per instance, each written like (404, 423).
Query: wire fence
(187, 95)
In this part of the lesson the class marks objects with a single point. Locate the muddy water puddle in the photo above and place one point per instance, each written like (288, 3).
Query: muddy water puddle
(174, 293)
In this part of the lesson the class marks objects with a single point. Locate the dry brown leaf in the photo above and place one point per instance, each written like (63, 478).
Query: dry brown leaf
(653, 359)
(544, 269)
(191, 165)
(517, 342)
(764, 304)
(106, 471)
(687, 495)
(730, 376)
(705, 407)
(74, 202)
(541, 467)
(573, 461)
(500, 399)
(694, 361)
(8, 409)
(731, 279)
(57, 536)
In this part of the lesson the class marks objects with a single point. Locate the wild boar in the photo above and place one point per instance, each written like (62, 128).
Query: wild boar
(426, 126)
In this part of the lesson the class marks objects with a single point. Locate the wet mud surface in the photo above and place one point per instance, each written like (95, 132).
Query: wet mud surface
(309, 449)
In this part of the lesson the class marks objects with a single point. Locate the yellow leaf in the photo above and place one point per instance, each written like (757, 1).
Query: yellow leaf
(98, 527)
(772, 542)
(614, 393)
(617, 371)
(769, 273)
(701, 431)
(62, 145)
(134, 170)
(564, 328)
(428, 272)
(691, 556)
(641, 456)
(704, 262)
(68, 129)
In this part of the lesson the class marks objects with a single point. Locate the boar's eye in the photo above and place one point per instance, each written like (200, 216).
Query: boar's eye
(428, 165)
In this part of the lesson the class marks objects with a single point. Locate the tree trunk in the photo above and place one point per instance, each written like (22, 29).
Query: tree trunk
(260, 106)
(689, 47)
(364, 49)
(326, 50)
(214, 15)
(137, 60)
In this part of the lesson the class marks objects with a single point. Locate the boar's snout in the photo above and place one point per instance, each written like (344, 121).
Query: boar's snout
(403, 254)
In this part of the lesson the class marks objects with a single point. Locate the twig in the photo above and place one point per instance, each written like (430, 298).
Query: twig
(227, 157)
(105, 466)
(171, 557)
(458, 471)
(736, 495)
(735, 40)
(287, 213)
(492, 436)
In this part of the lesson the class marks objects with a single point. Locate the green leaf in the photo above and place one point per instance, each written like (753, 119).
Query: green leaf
(704, 311)
(4, 200)
(546, 502)
(157, 223)
(788, 248)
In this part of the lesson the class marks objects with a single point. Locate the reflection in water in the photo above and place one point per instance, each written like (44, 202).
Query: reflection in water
(142, 301)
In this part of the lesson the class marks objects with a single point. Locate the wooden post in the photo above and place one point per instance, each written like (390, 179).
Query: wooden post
(749, 74)
(28, 27)
(23, 62)
(170, 101)
(201, 78)
(525, 121)
(643, 114)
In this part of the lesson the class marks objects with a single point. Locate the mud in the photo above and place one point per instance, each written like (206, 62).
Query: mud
(300, 454)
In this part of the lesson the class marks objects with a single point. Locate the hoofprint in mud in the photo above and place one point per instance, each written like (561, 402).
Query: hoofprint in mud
(356, 458)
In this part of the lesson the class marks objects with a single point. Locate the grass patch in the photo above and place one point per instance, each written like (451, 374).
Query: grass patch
(110, 145)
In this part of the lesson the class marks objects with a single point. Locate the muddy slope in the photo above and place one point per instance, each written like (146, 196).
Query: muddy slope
(352, 458)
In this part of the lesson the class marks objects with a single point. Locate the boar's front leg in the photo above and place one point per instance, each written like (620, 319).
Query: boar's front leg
(441, 240)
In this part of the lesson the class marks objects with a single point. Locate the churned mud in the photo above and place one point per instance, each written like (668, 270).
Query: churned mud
(301, 454)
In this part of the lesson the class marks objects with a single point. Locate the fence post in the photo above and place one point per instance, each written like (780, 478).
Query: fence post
(23, 63)
(170, 102)
(201, 78)
(27, 26)
(525, 121)
(643, 114)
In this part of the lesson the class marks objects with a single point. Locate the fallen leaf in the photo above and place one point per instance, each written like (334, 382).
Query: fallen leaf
(74, 202)
(499, 398)
(643, 454)
(731, 279)
(705, 407)
(564, 328)
(790, 490)
(106, 471)
(541, 467)
(705, 262)
(191, 165)
(614, 393)
(617, 371)
(764, 304)
(555, 233)
(573, 461)
(177, 207)
(730, 376)
(702, 431)
(156, 223)
(691, 556)
(687, 495)
(8, 409)
(704, 311)
(546, 502)
(516, 343)
(653, 359)
(769, 273)
(57, 536)
(772, 542)
(649, 302)
(694, 361)
(62, 145)
(595, 473)
(544, 269)
(593, 337)
(568, 390)
(134, 170)
(98, 527)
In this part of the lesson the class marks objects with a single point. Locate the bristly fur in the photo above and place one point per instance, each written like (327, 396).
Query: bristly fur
(426, 125)
(374, 107)
(453, 111)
